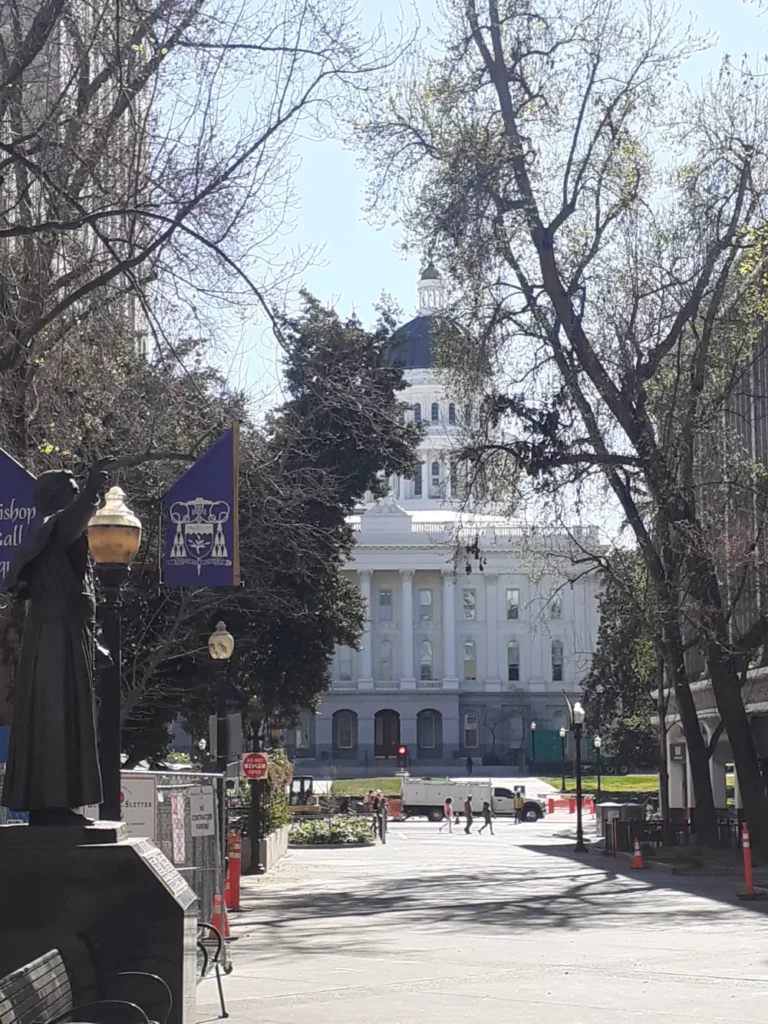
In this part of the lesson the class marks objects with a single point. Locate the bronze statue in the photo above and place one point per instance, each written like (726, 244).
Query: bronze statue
(53, 762)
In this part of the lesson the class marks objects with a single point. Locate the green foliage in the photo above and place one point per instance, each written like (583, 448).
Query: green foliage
(279, 776)
(617, 691)
(301, 475)
(336, 832)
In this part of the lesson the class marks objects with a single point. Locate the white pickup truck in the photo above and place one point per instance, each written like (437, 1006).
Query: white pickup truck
(427, 797)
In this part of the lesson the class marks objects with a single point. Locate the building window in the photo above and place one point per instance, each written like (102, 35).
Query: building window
(345, 729)
(452, 414)
(435, 479)
(427, 730)
(426, 659)
(556, 605)
(385, 606)
(469, 604)
(513, 661)
(425, 605)
(417, 481)
(435, 412)
(304, 731)
(385, 661)
(417, 413)
(345, 664)
(557, 661)
(470, 660)
(470, 729)
(513, 603)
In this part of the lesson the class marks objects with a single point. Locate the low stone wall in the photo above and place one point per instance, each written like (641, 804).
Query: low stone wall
(273, 849)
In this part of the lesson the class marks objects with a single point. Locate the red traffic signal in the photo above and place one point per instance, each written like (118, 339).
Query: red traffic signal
(402, 751)
(402, 756)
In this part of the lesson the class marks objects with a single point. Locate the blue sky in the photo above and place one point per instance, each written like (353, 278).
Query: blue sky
(357, 260)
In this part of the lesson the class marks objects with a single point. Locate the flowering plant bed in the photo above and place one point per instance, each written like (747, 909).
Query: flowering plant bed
(336, 832)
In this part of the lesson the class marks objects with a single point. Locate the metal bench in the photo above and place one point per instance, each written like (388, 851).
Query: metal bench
(40, 993)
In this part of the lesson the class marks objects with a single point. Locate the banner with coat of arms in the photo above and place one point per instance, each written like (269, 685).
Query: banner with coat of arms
(200, 528)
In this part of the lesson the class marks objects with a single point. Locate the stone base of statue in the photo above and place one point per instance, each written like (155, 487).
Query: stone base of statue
(106, 902)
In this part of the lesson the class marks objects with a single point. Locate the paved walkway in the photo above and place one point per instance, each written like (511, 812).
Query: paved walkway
(512, 927)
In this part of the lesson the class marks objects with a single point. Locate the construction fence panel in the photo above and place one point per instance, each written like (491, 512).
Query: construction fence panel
(188, 832)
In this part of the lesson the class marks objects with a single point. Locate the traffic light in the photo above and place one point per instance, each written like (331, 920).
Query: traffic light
(402, 757)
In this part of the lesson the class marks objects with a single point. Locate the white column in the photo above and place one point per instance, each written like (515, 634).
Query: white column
(492, 626)
(366, 662)
(407, 631)
(738, 803)
(449, 626)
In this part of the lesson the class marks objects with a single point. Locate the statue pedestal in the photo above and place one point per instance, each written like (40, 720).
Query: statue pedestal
(106, 902)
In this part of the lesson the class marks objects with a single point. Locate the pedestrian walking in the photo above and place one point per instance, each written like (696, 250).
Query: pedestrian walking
(448, 813)
(518, 804)
(470, 765)
(376, 807)
(468, 814)
(487, 817)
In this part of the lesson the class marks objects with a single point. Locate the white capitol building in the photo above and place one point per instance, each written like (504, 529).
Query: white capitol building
(453, 663)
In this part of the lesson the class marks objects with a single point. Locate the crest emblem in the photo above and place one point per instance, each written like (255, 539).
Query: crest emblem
(199, 535)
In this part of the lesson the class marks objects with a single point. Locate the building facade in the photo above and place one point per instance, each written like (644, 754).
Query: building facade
(457, 659)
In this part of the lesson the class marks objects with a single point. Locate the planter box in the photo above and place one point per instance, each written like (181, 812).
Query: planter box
(273, 848)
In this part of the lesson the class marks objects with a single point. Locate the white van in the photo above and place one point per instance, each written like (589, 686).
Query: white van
(427, 797)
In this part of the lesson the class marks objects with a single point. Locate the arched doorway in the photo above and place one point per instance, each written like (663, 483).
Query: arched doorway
(429, 735)
(386, 733)
(345, 734)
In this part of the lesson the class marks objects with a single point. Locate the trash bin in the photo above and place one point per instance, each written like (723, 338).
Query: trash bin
(605, 814)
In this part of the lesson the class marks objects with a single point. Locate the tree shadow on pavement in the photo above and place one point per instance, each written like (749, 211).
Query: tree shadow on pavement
(721, 888)
(580, 895)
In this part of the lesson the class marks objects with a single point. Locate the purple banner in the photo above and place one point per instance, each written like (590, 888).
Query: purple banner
(17, 508)
(201, 542)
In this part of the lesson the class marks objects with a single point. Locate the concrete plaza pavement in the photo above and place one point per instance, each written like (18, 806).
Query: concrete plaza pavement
(515, 927)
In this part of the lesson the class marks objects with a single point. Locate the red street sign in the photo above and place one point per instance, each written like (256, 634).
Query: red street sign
(255, 766)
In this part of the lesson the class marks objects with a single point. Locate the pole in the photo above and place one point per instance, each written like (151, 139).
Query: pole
(111, 578)
(563, 742)
(580, 847)
(533, 748)
(222, 736)
(256, 820)
(599, 752)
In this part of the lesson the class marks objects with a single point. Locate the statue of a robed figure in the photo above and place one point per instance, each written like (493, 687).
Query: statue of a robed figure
(53, 762)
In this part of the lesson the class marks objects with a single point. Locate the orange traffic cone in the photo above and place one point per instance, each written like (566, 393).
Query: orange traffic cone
(637, 860)
(219, 920)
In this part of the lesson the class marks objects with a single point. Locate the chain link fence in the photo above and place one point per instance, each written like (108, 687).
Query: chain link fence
(188, 831)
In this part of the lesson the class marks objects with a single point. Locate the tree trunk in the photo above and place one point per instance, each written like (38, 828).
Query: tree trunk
(727, 692)
(661, 705)
(706, 818)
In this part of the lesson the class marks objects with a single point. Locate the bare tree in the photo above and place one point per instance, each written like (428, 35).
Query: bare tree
(145, 167)
(602, 224)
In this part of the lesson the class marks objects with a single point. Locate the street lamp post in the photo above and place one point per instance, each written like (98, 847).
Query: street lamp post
(533, 744)
(577, 724)
(598, 746)
(256, 716)
(221, 646)
(563, 735)
(114, 536)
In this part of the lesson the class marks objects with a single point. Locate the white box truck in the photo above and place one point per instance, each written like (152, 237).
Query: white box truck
(426, 797)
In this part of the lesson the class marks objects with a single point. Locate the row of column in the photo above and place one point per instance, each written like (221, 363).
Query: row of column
(449, 627)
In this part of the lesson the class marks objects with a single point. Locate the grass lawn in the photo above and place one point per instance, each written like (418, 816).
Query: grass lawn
(610, 783)
(359, 787)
